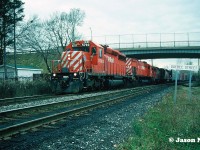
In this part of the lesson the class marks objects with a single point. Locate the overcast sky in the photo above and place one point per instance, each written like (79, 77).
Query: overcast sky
(125, 16)
(114, 17)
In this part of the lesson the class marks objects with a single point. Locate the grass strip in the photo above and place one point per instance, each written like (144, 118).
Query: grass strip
(168, 125)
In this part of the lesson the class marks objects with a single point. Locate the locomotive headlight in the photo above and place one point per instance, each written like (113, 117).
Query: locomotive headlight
(68, 56)
(75, 74)
(54, 74)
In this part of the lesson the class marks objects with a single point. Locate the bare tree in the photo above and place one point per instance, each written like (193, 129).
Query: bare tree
(75, 19)
(61, 28)
(52, 35)
(34, 38)
(56, 31)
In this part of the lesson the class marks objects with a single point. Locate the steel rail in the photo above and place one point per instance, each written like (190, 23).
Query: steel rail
(17, 128)
(65, 102)
(25, 99)
(7, 101)
(14, 100)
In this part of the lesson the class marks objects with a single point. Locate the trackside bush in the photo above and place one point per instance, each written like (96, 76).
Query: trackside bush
(18, 88)
(7, 89)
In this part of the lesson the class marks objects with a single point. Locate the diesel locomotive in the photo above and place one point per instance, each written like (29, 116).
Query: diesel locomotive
(88, 65)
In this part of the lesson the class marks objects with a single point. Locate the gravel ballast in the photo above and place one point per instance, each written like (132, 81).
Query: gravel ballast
(103, 128)
(48, 101)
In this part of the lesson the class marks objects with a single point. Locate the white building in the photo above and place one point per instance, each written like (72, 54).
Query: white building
(24, 72)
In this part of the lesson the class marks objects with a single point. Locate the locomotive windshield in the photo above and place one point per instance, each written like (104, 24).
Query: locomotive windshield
(81, 48)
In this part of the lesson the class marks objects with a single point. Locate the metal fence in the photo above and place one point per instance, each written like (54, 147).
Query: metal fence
(149, 40)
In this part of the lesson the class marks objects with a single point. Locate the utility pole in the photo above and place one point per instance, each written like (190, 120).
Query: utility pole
(1, 48)
(15, 45)
(152, 62)
(198, 69)
(91, 33)
(4, 56)
(4, 48)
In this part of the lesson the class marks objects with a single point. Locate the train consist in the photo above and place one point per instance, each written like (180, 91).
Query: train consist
(88, 65)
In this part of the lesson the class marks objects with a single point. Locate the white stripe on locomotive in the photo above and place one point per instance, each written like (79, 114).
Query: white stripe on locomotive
(72, 63)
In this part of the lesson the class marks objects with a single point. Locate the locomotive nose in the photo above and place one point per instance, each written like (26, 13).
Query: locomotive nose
(72, 61)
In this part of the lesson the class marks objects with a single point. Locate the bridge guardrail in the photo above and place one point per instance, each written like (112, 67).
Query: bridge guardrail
(149, 40)
(155, 44)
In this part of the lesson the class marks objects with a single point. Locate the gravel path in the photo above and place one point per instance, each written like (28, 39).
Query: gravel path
(103, 128)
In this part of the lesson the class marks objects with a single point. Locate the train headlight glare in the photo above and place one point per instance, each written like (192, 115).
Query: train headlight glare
(54, 74)
(75, 74)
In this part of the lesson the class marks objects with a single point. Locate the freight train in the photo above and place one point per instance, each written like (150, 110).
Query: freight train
(88, 65)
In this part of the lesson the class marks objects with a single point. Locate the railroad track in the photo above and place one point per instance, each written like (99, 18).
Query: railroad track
(15, 100)
(26, 99)
(21, 119)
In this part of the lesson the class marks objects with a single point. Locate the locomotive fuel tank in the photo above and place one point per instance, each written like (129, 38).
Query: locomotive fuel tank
(113, 83)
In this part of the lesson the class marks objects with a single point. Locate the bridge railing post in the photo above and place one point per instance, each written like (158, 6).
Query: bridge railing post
(160, 40)
(146, 41)
(174, 39)
(188, 37)
(119, 41)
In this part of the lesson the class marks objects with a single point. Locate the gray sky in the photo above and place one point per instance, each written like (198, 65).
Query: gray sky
(125, 16)
(114, 17)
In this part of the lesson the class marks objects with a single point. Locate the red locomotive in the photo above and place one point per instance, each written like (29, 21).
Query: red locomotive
(139, 70)
(85, 64)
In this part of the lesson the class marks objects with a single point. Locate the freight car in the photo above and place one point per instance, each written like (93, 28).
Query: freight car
(88, 65)
(181, 75)
(165, 75)
(156, 75)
